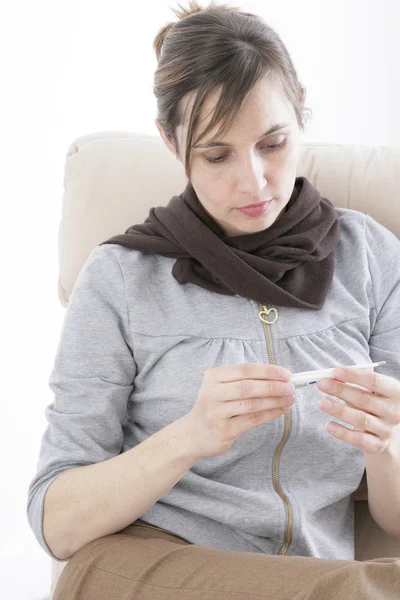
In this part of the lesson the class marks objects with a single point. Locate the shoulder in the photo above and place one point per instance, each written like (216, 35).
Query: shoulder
(352, 223)
(362, 230)
(107, 269)
(368, 252)
(134, 265)
(120, 255)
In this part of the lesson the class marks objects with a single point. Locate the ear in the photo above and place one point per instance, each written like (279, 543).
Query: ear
(167, 141)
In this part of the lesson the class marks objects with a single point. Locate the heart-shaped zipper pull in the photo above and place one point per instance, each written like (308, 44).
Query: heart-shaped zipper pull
(263, 314)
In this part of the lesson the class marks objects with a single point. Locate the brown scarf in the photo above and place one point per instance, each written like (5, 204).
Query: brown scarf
(290, 263)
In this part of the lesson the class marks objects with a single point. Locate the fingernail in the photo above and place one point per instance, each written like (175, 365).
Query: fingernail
(340, 373)
(288, 388)
(326, 403)
(324, 384)
(284, 373)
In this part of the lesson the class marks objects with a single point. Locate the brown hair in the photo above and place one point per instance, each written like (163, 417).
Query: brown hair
(211, 47)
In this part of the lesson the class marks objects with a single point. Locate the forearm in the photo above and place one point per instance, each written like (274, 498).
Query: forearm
(92, 501)
(383, 479)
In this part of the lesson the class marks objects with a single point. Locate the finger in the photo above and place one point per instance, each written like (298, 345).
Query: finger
(373, 381)
(250, 371)
(253, 388)
(357, 418)
(366, 441)
(252, 405)
(374, 404)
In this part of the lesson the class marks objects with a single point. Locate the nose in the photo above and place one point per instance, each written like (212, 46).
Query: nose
(250, 175)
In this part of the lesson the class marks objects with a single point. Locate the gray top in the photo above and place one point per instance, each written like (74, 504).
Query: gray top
(132, 353)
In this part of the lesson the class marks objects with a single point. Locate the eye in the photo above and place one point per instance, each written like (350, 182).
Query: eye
(220, 159)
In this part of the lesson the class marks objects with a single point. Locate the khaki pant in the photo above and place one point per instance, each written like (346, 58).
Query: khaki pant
(145, 563)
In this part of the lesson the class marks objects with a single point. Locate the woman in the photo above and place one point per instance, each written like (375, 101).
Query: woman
(178, 461)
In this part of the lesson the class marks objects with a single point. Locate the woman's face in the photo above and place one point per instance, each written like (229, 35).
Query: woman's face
(248, 166)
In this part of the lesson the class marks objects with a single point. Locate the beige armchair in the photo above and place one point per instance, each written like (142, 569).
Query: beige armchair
(113, 178)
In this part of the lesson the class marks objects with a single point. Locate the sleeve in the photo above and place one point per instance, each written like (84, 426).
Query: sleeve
(383, 250)
(92, 380)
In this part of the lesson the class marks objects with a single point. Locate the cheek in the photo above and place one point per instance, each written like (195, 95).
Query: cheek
(211, 190)
(292, 157)
(213, 183)
(285, 169)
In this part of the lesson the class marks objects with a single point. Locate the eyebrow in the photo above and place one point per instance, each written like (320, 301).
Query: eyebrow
(212, 144)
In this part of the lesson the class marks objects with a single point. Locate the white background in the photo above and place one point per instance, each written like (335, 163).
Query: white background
(74, 67)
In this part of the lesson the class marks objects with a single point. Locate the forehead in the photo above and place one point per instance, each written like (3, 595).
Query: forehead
(265, 104)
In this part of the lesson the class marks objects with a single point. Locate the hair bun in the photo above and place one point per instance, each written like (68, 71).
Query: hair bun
(181, 14)
(185, 12)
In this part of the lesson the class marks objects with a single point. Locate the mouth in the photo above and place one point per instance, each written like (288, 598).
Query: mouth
(256, 210)
(256, 205)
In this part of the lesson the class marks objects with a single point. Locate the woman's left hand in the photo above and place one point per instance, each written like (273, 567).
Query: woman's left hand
(374, 411)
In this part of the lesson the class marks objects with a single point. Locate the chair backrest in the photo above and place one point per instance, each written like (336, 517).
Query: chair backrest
(112, 179)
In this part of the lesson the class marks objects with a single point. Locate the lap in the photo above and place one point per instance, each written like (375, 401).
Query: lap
(142, 563)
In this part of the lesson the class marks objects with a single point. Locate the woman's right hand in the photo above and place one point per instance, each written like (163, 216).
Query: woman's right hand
(234, 399)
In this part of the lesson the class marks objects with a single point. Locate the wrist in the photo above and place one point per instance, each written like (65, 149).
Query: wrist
(393, 447)
(188, 441)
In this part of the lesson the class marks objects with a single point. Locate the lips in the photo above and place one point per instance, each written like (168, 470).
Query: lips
(255, 205)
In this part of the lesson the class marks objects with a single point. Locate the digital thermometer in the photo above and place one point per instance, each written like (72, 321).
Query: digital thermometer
(309, 377)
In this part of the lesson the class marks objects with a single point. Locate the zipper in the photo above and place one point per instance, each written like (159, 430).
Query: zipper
(263, 315)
